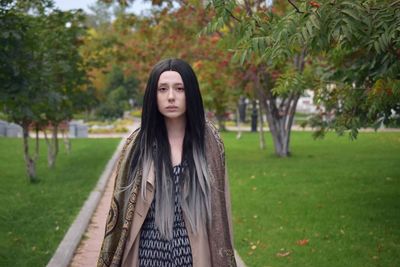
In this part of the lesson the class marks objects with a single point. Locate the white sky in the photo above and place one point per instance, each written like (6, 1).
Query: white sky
(137, 7)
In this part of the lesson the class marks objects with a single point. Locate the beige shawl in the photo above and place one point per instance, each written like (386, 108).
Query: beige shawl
(122, 207)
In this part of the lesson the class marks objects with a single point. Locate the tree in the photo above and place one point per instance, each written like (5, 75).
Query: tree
(249, 25)
(62, 70)
(273, 36)
(360, 67)
(19, 74)
(43, 81)
(103, 56)
(172, 31)
(219, 81)
(118, 91)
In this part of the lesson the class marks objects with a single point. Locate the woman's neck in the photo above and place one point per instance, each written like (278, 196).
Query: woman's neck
(175, 128)
(176, 134)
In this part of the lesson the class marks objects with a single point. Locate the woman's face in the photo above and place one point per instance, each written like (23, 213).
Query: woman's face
(171, 100)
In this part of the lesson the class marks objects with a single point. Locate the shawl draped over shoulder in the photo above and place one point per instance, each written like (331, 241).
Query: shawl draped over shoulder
(123, 204)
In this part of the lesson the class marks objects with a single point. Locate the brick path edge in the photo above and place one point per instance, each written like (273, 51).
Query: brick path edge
(65, 251)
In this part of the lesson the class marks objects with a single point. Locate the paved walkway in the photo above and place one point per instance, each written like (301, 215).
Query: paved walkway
(88, 250)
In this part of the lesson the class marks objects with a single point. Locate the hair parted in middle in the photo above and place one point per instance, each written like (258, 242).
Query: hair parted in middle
(152, 147)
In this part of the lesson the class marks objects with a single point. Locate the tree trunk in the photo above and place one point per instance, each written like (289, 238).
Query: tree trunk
(30, 162)
(55, 140)
(280, 127)
(239, 126)
(52, 146)
(279, 116)
(49, 148)
(37, 143)
(67, 141)
(280, 111)
(262, 137)
(221, 122)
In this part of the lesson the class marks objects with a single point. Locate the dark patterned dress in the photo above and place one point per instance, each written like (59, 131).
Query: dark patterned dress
(156, 251)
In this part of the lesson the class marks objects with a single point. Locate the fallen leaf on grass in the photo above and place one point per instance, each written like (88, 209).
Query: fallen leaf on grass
(283, 254)
(302, 242)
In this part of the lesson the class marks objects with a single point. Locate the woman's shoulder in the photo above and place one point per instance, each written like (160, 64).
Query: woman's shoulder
(215, 150)
(131, 138)
(134, 134)
(212, 130)
(213, 137)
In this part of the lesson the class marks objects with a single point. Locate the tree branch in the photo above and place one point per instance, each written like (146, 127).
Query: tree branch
(233, 16)
(394, 3)
(248, 8)
(295, 7)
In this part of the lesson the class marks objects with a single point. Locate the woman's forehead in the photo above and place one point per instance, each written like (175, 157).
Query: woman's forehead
(170, 77)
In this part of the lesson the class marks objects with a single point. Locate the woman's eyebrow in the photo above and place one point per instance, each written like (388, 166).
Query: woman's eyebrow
(172, 84)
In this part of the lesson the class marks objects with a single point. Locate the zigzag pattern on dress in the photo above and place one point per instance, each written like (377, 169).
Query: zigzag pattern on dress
(156, 251)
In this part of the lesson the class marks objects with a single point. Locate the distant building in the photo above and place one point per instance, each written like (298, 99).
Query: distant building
(306, 103)
(10, 129)
(78, 129)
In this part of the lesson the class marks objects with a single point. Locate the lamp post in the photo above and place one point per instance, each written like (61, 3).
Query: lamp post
(254, 115)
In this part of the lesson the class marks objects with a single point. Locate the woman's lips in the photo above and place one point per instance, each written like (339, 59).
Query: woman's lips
(172, 108)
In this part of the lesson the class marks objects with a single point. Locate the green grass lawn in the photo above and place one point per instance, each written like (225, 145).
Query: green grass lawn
(342, 196)
(35, 217)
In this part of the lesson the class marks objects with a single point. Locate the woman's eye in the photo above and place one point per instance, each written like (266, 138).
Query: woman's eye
(180, 89)
(162, 89)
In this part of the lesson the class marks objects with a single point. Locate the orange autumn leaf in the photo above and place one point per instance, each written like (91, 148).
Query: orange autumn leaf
(302, 242)
(315, 4)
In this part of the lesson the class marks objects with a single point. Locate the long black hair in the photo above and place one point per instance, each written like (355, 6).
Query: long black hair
(152, 147)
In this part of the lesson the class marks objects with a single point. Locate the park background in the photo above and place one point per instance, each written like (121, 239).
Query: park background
(306, 95)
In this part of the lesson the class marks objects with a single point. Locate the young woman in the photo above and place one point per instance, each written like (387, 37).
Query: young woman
(171, 204)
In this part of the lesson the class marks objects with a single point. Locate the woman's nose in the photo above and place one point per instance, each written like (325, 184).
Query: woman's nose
(171, 95)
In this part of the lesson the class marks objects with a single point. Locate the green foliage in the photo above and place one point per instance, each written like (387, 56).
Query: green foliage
(119, 90)
(261, 33)
(114, 106)
(352, 45)
(289, 82)
(18, 65)
(136, 43)
(42, 75)
(63, 67)
(360, 43)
